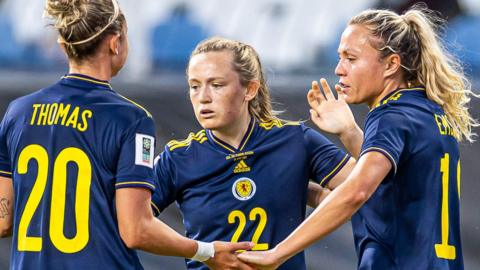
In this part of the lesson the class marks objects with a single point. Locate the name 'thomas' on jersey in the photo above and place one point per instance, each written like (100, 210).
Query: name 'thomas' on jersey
(254, 193)
(68, 147)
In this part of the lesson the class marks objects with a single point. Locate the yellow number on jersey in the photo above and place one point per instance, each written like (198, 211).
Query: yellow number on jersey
(57, 210)
(38, 153)
(242, 221)
(444, 250)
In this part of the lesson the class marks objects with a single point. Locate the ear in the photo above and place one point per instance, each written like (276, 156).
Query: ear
(252, 90)
(392, 64)
(63, 48)
(114, 44)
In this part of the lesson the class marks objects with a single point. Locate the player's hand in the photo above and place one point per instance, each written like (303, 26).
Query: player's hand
(262, 260)
(226, 258)
(327, 112)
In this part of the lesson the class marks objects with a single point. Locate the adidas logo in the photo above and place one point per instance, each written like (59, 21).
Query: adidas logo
(241, 167)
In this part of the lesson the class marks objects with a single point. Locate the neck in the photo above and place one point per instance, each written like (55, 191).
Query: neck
(234, 134)
(387, 89)
(93, 69)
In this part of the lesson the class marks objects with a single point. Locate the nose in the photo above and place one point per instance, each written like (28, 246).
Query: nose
(339, 69)
(204, 95)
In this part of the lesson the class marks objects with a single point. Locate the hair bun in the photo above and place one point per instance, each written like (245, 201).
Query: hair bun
(66, 12)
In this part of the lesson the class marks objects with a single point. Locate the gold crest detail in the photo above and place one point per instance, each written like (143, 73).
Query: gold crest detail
(244, 188)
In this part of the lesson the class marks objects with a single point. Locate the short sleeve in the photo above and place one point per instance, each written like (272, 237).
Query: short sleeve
(326, 159)
(165, 191)
(5, 166)
(135, 162)
(386, 132)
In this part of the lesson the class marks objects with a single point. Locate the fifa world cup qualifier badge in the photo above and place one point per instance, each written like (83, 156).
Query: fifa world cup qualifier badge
(144, 146)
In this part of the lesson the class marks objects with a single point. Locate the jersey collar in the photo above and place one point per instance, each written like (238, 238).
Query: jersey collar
(225, 146)
(394, 92)
(85, 81)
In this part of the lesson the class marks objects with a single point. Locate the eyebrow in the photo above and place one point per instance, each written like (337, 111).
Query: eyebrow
(208, 80)
(347, 51)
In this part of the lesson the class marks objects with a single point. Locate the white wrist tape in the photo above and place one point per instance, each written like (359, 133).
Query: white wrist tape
(205, 251)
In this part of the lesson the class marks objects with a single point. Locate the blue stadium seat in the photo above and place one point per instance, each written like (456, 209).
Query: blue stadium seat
(20, 56)
(10, 50)
(173, 40)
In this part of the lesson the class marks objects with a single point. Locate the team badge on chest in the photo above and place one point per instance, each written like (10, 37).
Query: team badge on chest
(244, 188)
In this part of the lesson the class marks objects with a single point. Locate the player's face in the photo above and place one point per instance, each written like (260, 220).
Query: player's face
(217, 96)
(119, 60)
(360, 68)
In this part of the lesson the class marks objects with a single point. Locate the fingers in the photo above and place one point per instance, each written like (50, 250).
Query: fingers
(340, 94)
(314, 116)
(251, 257)
(326, 89)
(240, 246)
(315, 96)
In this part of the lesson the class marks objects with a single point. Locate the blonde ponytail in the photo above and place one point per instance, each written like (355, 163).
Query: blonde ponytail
(425, 60)
(442, 75)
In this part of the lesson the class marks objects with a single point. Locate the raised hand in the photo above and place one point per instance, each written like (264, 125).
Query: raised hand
(334, 116)
(327, 112)
(226, 258)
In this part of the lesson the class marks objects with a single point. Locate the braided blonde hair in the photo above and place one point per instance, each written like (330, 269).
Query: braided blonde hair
(83, 24)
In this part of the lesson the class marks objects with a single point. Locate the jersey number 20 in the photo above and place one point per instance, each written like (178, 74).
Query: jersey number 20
(57, 207)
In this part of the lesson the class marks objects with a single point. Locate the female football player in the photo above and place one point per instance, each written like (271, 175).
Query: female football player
(76, 160)
(404, 191)
(245, 176)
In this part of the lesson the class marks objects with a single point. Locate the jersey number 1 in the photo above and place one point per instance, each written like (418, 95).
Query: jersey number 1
(57, 207)
(444, 250)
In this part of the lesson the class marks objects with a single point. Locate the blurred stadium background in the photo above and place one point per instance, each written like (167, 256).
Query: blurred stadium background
(297, 42)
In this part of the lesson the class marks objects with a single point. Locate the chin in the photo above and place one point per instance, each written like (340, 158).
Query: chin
(352, 100)
(207, 123)
(349, 99)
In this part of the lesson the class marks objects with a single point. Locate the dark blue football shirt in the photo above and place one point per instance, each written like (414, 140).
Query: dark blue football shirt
(255, 193)
(412, 219)
(68, 147)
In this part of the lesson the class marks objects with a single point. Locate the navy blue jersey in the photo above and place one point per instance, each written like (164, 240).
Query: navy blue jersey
(412, 219)
(255, 193)
(67, 148)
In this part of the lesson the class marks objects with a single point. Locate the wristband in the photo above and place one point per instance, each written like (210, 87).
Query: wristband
(204, 252)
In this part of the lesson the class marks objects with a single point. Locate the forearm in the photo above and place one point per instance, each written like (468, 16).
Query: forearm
(352, 139)
(335, 210)
(139, 229)
(316, 194)
(6, 207)
(156, 237)
(339, 205)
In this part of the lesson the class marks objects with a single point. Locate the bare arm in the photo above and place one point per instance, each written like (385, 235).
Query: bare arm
(333, 115)
(337, 208)
(316, 193)
(6, 206)
(139, 229)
